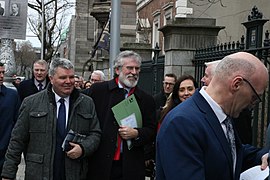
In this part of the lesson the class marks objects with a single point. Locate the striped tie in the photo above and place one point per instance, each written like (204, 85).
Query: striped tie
(231, 138)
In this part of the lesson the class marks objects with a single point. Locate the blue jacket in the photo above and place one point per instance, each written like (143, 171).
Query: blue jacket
(9, 107)
(191, 144)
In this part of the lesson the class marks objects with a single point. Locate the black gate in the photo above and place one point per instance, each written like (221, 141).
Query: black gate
(152, 72)
(255, 45)
(261, 113)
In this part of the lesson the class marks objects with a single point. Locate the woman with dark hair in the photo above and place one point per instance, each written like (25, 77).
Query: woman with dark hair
(87, 84)
(184, 87)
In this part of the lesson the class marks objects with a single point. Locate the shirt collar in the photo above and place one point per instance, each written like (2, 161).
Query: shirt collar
(215, 107)
(120, 86)
(57, 97)
(37, 83)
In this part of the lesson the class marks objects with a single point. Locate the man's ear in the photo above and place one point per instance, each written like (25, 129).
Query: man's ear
(51, 78)
(117, 70)
(236, 83)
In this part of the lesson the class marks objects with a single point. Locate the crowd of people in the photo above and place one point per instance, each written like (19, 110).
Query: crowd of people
(68, 128)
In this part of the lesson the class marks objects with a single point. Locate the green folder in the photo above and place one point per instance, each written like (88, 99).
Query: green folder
(127, 107)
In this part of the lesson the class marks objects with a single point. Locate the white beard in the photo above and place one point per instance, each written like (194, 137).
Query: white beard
(128, 83)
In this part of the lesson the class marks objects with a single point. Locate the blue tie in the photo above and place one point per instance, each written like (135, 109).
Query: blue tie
(40, 86)
(61, 120)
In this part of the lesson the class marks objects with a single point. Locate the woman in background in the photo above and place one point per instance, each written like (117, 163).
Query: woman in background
(184, 87)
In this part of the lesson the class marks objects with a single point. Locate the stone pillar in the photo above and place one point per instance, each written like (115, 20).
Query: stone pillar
(254, 26)
(7, 58)
(181, 38)
(144, 50)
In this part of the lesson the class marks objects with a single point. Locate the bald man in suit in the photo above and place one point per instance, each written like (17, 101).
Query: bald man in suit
(194, 142)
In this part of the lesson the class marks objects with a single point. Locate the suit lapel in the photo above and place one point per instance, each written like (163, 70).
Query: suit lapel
(214, 123)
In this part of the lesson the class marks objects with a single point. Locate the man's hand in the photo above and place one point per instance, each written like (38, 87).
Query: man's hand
(127, 132)
(264, 161)
(75, 152)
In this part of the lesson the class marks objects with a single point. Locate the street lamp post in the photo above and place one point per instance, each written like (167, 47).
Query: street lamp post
(42, 26)
(115, 33)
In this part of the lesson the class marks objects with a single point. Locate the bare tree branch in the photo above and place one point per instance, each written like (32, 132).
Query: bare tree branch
(54, 24)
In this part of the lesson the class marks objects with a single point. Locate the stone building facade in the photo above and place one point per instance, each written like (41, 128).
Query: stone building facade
(85, 29)
(145, 23)
(176, 25)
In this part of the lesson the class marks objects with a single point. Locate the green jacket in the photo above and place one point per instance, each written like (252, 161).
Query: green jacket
(35, 135)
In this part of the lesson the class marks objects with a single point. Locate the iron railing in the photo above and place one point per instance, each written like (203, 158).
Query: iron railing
(261, 113)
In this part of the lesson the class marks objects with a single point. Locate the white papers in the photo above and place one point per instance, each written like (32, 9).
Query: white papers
(255, 173)
(129, 121)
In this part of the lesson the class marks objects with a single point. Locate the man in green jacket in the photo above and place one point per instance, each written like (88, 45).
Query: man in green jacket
(44, 121)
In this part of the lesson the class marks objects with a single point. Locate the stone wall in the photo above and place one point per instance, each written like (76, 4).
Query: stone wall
(181, 38)
(83, 39)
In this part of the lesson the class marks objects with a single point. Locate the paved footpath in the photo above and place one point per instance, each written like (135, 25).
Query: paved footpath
(20, 173)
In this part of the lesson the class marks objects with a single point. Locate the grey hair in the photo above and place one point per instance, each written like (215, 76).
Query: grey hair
(42, 62)
(213, 65)
(59, 62)
(230, 66)
(100, 73)
(119, 60)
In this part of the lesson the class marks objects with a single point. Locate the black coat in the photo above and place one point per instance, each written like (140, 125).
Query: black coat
(28, 87)
(105, 96)
(160, 100)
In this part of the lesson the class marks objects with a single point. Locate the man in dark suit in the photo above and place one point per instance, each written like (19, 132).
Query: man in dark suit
(9, 107)
(243, 123)
(195, 140)
(113, 160)
(39, 81)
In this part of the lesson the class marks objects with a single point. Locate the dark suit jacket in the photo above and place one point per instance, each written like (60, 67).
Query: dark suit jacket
(9, 107)
(191, 144)
(106, 95)
(160, 99)
(28, 87)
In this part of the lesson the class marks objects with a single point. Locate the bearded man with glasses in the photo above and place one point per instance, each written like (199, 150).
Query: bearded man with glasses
(113, 159)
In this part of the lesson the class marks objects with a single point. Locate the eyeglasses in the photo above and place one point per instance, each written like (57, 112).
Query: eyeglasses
(253, 89)
(167, 83)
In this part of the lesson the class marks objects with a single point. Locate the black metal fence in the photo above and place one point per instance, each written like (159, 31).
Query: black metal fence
(261, 113)
(151, 75)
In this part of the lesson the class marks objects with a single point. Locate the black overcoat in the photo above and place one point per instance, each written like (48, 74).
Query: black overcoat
(105, 96)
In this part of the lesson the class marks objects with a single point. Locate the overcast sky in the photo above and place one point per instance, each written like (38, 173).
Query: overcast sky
(33, 39)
